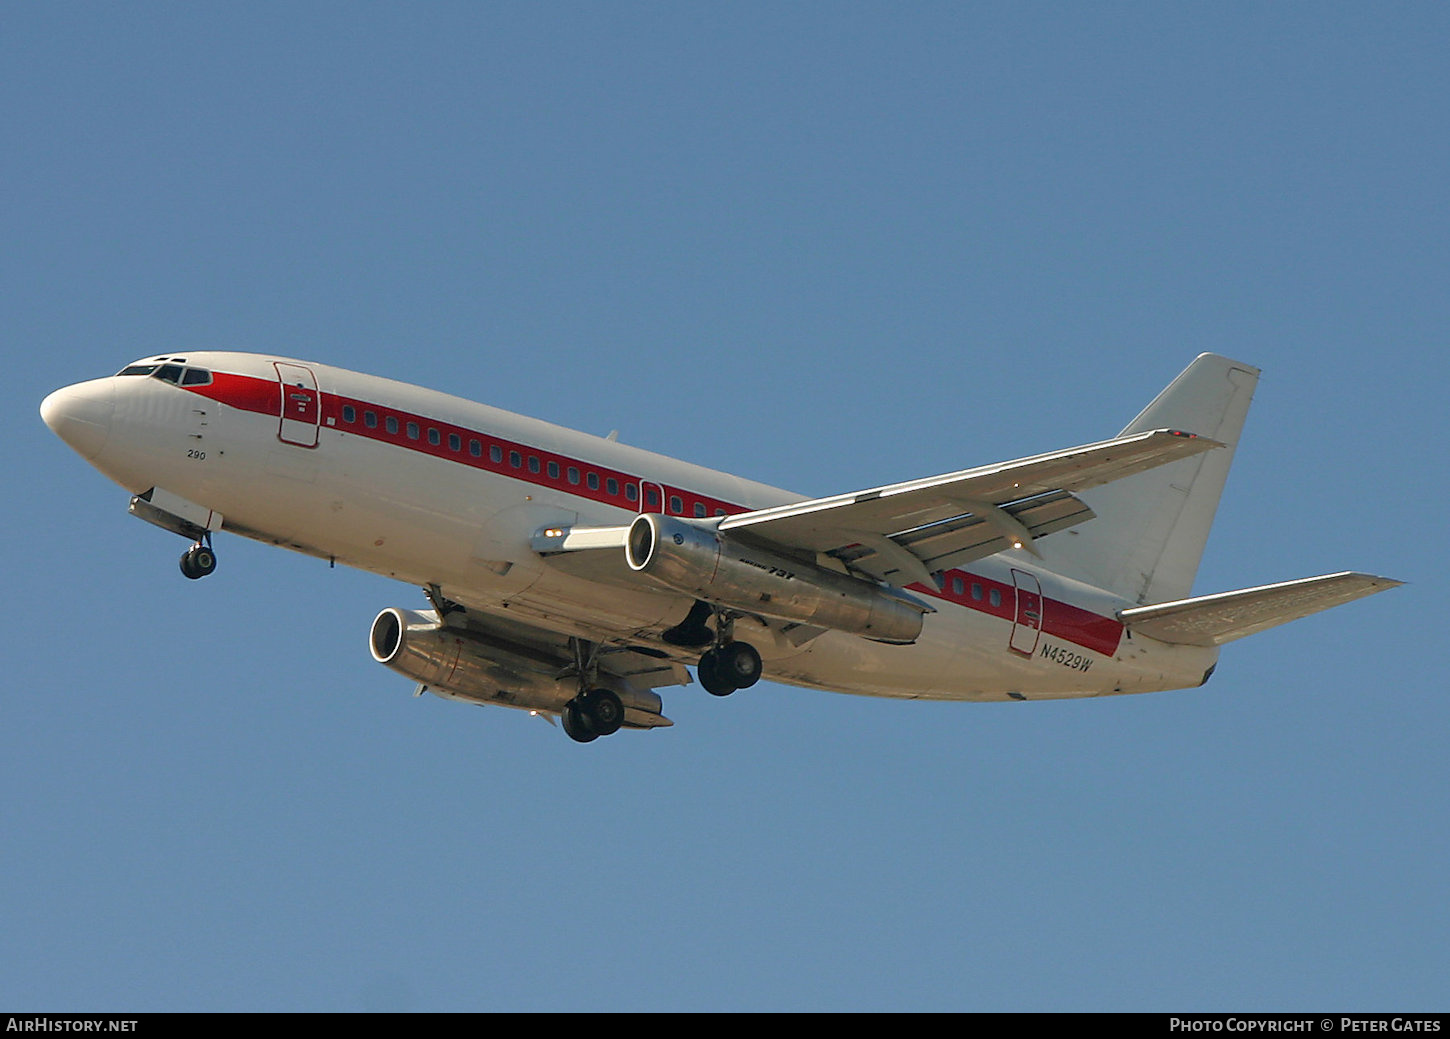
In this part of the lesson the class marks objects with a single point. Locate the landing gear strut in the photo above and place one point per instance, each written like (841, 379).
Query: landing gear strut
(198, 560)
(730, 665)
(596, 711)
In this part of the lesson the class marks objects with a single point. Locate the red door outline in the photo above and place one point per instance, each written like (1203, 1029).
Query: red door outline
(301, 413)
(1027, 618)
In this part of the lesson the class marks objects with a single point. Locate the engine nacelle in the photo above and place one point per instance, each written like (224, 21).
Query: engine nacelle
(462, 664)
(700, 561)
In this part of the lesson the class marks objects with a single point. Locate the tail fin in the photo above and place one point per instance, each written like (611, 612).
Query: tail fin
(1148, 537)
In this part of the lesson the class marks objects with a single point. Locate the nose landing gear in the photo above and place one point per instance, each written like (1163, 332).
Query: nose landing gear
(198, 560)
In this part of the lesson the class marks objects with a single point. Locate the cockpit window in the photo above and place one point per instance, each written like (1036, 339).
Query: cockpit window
(172, 373)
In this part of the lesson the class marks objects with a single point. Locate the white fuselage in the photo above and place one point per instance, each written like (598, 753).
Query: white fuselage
(436, 490)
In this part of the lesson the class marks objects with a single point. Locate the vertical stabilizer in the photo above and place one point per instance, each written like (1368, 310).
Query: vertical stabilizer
(1148, 537)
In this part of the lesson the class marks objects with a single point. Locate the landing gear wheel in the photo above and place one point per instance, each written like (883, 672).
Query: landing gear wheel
(576, 725)
(708, 672)
(602, 709)
(738, 663)
(591, 714)
(198, 561)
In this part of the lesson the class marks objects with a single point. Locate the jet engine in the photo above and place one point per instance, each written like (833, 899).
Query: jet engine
(468, 665)
(699, 561)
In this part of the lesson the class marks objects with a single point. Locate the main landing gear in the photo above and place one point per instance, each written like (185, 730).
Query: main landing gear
(596, 711)
(591, 714)
(199, 560)
(728, 667)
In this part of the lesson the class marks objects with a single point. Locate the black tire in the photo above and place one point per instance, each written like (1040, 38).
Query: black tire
(603, 710)
(739, 664)
(709, 674)
(576, 725)
(197, 561)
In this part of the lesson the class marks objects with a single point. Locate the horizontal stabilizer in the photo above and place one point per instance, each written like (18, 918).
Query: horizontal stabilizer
(1212, 620)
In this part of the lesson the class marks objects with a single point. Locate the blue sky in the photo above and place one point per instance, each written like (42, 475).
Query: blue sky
(822, 245)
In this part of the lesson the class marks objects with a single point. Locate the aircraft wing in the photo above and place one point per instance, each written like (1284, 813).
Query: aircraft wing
(640, 666)
(903, 532)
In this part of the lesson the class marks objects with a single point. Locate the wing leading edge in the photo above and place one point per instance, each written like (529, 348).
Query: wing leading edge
(902, 532)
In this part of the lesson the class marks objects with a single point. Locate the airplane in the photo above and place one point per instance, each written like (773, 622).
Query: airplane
(573, 576)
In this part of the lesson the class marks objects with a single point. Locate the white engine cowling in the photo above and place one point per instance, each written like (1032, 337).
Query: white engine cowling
(699, 561)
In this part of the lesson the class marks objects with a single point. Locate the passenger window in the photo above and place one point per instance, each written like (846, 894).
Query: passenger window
(392, 424)
(573, 474)
(593, 481)
(611, 485)
(455, 442)
(553, 470)
(631, 492)
(515, 459)
(699, 510)
(533, 464)
(495, 453)
(412, 431)
(677, 505)
(349, 413)
(651, 496)
(370, 419)
(958, 586)
(995, 598)
(976, 591)
(434, 437)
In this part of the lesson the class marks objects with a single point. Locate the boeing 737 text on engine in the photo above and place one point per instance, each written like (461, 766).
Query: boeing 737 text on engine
(575, 576)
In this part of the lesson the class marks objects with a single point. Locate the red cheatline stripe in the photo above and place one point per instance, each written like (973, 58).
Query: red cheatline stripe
(559, 472)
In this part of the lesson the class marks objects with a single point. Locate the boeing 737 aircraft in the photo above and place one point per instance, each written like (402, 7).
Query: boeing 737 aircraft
(574, 576)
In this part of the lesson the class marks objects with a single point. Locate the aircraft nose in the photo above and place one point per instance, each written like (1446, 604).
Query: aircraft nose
(81, 415)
